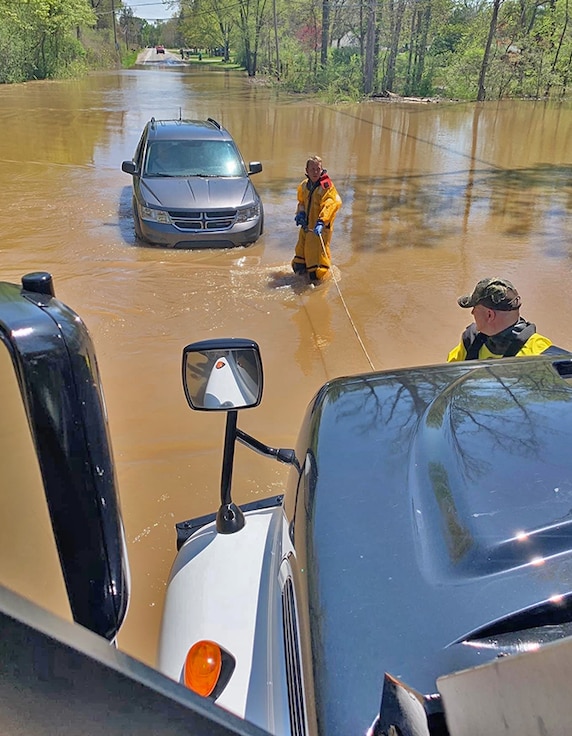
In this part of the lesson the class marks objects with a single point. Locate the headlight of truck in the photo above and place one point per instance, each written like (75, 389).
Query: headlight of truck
(252, 212)
(156, 215)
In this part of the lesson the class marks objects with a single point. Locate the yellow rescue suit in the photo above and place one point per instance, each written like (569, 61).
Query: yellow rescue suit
(320, 201)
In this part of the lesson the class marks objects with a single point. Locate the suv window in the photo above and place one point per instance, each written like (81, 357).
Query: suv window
(193, 158)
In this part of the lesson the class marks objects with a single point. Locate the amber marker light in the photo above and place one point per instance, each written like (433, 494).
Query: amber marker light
(203, 665)
(220, 364)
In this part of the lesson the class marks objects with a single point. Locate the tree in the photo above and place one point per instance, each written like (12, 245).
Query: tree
(396, 12)
(421, 20)
(481, 94)
(104, 10)
(370, 47)
(208, 24)
(251, 17)
(559, 46)
(325, 32)
(132, 29)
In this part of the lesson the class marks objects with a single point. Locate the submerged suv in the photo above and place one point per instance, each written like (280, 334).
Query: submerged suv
(191, 187)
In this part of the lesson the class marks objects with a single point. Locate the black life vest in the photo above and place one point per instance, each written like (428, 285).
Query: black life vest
(506, 344)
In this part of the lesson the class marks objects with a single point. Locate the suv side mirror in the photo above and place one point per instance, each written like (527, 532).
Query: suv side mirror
(254, 167)
(222, 374)
(129, 167)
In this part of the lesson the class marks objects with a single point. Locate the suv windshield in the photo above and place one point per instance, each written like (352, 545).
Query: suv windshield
(193, 158)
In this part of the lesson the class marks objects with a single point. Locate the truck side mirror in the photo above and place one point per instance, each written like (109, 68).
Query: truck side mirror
(225, 375)
(222, 374)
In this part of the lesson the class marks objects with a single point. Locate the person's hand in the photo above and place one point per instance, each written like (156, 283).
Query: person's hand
(319, 227)
(301, 219)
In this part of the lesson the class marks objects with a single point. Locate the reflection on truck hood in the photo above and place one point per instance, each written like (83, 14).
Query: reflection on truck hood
(197, 192)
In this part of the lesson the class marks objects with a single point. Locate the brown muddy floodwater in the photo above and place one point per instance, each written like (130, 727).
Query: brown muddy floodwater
(436, 196)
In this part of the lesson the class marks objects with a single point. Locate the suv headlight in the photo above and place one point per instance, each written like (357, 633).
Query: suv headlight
(156, 215)
(252, 212)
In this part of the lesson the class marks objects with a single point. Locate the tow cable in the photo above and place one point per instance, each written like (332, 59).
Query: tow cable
(346, 308)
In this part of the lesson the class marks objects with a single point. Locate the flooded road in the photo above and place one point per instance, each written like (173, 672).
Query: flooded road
(435, 198)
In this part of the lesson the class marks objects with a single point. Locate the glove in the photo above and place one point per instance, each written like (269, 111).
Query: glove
(301, 219)
(319, 227)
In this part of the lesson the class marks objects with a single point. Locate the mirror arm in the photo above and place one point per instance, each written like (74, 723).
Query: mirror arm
(229, 517)
(283, 455)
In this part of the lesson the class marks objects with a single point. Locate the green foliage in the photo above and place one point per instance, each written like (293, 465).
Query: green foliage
(447, 41)
(205, 23)
(100, 51)
(342, 80)
(14, 53)
(68, 60)
(297, 71)
(459, 79)
(38, 38)
(129, 58)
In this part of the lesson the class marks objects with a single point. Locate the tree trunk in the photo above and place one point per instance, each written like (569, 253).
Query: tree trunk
(277, 46)
(412, 36)
(396, 20)
(557, 51)
(424, 22)
(370, 48)
(325, 32)
(481, 94)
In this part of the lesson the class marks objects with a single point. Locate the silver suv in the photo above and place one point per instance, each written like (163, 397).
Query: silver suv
(191, 187)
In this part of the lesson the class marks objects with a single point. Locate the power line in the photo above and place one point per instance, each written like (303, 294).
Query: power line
(144, 5)
(135, 6)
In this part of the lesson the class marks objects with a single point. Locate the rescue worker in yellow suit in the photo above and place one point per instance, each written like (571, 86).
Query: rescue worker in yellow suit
(318, 204)
(498, 330)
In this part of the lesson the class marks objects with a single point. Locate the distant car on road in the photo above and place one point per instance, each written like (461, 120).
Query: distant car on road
(160, 49)
(191, 187)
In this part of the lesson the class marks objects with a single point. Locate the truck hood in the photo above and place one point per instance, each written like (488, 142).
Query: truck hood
(435, 520)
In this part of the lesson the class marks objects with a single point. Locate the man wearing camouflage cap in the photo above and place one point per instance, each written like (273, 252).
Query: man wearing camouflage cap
(498, 330)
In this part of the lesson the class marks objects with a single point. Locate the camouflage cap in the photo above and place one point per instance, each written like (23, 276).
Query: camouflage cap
(497, 294)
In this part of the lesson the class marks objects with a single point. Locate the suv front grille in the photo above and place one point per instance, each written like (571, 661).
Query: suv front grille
(196, 220)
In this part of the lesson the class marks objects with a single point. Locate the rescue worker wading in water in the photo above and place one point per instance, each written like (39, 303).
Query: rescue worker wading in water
(318, 203)
(498, 330)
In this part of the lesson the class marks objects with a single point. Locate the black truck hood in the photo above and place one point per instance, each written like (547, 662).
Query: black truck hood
(434, 517)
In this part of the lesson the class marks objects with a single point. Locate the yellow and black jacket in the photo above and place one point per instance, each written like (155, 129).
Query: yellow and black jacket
(320, 201)
(520, 339)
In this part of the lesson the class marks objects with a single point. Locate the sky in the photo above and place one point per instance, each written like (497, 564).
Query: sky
(150, 10)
